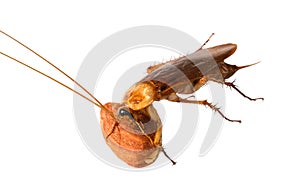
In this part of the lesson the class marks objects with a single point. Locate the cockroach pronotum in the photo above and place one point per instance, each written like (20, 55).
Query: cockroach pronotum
(132, 128)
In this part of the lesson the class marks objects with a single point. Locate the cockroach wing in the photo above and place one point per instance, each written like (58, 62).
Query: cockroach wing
(221, 52)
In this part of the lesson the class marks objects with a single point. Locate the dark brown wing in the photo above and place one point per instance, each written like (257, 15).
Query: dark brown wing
(184, 73)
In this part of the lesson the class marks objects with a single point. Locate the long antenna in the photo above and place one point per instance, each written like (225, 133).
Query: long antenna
(64, 85)
(99, 104)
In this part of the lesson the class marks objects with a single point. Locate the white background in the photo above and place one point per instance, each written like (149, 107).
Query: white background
(41, 151)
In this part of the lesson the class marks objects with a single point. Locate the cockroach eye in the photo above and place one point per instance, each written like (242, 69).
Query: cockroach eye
(123, 112)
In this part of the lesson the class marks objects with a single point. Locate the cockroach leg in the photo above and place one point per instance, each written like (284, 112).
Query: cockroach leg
(162, 149)
(113, 130)
(189, 97)
(232, 85)
(141, 128)
(164, 152)
(202, 102)
(213, 107)
(206, 41)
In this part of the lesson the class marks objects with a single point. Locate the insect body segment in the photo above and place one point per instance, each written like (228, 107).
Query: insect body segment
(140, 95)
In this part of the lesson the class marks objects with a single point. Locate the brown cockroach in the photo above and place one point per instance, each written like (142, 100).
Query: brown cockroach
(185, 75)
(133, 129)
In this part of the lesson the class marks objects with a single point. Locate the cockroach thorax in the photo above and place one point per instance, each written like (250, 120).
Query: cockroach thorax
(140, 95)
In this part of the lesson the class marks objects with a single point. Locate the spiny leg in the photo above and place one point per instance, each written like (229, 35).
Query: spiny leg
(231, 85)
(175, 98)
(206, 41)
(164, 152)
(152, 142)
(213, 107)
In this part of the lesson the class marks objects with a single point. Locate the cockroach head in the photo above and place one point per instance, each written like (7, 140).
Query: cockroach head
(140, 96)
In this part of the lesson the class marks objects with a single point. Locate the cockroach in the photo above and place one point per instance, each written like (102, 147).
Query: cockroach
(132, 128)
(185, 75)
